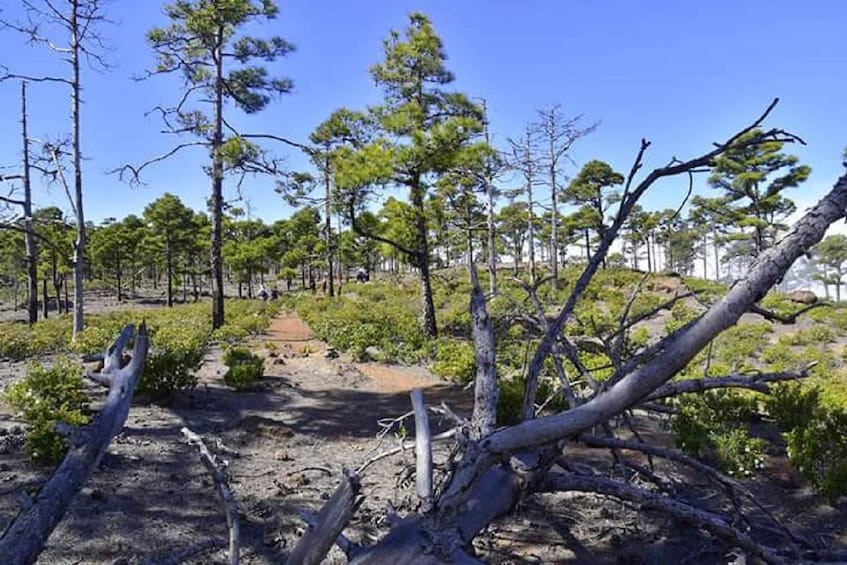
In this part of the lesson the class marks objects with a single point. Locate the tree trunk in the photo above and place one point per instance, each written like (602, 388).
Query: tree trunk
(430, 328)
(79, 245)
(169, 273)
(29, 237)
(45, 298)
(492, 235)
(328, 228)
(118, 276)
(554, 223)
(217, 191)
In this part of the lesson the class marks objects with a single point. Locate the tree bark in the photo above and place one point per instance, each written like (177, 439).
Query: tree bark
(79, 244)
(217, 191)
(29, 237)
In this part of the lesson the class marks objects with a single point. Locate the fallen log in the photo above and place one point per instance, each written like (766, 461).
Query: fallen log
(25, 537)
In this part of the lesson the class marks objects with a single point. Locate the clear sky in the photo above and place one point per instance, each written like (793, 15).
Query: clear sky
(681, 73)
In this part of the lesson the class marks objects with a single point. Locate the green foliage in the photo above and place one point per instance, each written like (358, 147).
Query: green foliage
(45, 397)
(170, 367)
(245, 368)
(819, 451)
(681, 314)
(739, 454)
(381, 316)
(455, 360)
(510, 401)
(246, 318)
(792, 405)
(707, 426)
(19, 341)
(705, 289)
(817, 334)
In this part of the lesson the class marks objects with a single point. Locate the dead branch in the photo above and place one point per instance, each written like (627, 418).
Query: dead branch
(330, 521)
(772, 316)
(404, 446)
(27, 534)
(224, 492)
(630, 199)
(559, 349)
(701, 518)
(343, 543)
(423, 451)
(757, 382)
(675, 353)
(730, 485)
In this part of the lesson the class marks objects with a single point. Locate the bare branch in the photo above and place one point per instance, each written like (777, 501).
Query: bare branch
(701, 518)
(772, 316)
(224, 492)
(135, 171)
(753, 382)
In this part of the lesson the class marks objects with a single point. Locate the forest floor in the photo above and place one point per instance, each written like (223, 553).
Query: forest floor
(152, 501)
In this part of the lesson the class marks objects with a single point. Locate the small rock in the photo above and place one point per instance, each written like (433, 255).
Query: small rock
(4, 431)
(802, 297)
(331, 353)
(279, 361)
(282, 455)
(5, 467)
(97, 495)
(373, 352)
(273, 354)
(16, 430)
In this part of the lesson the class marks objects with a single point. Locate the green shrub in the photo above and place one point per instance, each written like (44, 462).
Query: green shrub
(738, 454)
(45, 397)
(707, 425)
(680, 315)
(177, 353)
(792, 405)
(19, 341)
(455, 360)
(510, 401)
(245, 368)
(819, 452)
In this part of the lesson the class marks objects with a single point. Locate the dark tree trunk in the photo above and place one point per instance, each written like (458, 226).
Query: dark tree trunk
(29, 238)
(45, 297)
(216, 250)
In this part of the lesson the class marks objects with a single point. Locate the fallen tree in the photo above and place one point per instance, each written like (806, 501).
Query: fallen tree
(25, 537)
(491, 469)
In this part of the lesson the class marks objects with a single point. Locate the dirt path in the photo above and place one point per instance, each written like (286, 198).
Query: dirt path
(285, 445)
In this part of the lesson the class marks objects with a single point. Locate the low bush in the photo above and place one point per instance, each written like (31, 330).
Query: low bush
(245, 368)
(176, 354)
(45, 397)
(510, 401)
(793, 405)
(455, 360)
(713, 425)
(819, 451)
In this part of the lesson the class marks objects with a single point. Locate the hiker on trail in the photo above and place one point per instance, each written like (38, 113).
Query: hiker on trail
(274, 293)
(263, 293)
(362, 275)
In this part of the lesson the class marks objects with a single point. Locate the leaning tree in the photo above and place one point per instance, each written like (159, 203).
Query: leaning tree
(490, 468)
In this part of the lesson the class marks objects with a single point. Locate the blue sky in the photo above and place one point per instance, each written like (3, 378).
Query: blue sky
(680, 73)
